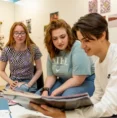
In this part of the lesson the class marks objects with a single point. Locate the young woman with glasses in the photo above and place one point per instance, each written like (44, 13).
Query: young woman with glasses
(22, 53)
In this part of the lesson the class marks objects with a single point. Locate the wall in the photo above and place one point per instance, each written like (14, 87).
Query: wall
(38, 11)
(7, 18)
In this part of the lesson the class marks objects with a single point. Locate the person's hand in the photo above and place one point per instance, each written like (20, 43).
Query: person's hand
(48, 111)
(27, 85)
(56, 92)
(44, 93)
(20, 83)
(23, 86)
(13, 84)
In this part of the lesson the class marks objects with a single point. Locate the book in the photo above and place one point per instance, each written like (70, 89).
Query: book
(62, 102)
(4, 109)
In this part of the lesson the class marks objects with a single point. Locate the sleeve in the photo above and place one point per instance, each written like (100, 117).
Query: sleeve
(80, 62)
(4, 56)
(106, 107)
(98, 93)
(49, 67)
(37, 54)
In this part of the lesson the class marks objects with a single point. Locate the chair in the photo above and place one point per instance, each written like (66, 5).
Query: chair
(40, 81)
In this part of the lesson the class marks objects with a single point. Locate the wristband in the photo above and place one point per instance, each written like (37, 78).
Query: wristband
(45, 89)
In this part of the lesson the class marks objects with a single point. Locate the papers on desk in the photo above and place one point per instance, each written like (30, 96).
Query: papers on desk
(4, 114)
(25, 113)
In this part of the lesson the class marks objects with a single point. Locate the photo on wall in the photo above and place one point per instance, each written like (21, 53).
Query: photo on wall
(112, 20)
(93, 6)
(45, 27)
(28, 24)
(54, 16)
(104, 6)
(1, 37)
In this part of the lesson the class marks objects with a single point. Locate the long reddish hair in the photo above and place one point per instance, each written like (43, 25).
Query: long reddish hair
(29, 43)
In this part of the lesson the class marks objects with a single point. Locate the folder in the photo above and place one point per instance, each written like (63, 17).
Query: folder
(4, 107)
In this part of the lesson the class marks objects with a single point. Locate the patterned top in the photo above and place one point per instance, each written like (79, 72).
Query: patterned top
(21, 66)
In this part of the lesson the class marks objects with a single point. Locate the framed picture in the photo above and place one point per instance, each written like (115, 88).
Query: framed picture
(104, 6)
(93, 6)
(54, 16)
(28, 24)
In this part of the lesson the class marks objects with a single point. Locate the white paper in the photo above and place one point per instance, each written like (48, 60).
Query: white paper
(4, 114)
(21, 112)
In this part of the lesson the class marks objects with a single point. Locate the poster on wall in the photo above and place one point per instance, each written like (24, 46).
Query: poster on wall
(28, 24)
(112, 20)
(45, 27)
(104, 6)
(1, 37)
(54, 16)
(93, 6)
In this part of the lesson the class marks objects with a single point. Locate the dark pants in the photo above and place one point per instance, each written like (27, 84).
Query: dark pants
(114, 116)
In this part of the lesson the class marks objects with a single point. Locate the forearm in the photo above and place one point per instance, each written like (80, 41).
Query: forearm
(5, 77)
(72, 82)
(50, 80)
(35, 78)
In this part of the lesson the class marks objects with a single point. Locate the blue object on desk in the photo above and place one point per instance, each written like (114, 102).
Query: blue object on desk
(4, 105)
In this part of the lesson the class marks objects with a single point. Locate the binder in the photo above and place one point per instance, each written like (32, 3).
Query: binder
(4, 105)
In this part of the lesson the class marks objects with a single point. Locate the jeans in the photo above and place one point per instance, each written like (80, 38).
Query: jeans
(23, 87)
(87, 86)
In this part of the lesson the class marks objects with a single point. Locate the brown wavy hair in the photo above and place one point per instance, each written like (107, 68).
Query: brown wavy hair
(56, 24)
(29, 43)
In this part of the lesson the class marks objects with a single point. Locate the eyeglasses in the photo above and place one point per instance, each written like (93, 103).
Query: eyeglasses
(16, 34)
